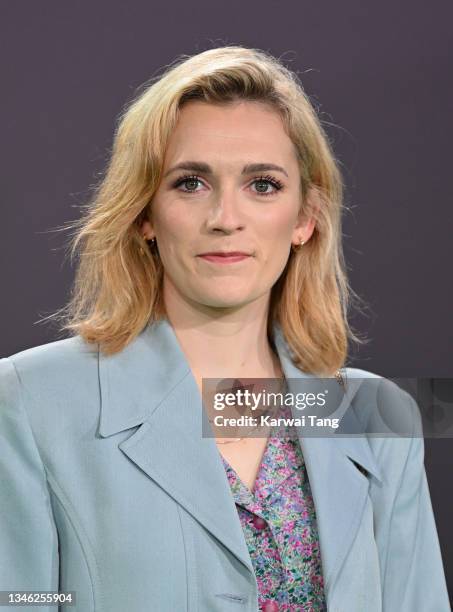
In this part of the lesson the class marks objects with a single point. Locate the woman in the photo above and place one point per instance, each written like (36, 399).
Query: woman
(211, 250)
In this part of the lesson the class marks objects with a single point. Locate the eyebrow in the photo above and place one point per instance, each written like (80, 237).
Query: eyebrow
(193, 166)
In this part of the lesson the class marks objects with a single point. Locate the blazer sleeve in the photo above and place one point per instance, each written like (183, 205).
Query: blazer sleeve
(414, 576)
(28, 535)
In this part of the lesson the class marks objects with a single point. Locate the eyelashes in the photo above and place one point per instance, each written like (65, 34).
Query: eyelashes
(266, 180)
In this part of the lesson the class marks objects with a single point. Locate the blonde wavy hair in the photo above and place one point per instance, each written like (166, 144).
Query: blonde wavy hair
(118, 282)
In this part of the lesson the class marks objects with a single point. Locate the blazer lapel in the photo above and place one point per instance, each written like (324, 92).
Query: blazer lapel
(150, 384)
(339, 489)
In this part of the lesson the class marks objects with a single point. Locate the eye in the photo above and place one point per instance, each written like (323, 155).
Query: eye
(263, 183)
(190, 182)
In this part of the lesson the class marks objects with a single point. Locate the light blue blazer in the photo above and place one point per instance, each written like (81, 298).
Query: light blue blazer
(108, 489)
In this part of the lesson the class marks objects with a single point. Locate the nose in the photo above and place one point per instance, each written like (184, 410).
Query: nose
(225, 212)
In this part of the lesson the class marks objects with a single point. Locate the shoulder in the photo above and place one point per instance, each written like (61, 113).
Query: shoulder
(52, 365)
(57, 355)
(51, 384)
(52, 368)
(391, 423)
(382, 405)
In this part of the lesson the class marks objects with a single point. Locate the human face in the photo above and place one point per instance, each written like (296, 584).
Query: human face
(210, 199)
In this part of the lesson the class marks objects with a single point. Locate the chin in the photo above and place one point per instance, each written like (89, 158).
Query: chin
(219, 298)
(224, 303)
(227, 301)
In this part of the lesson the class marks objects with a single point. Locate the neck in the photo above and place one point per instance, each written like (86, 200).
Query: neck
(224, 343)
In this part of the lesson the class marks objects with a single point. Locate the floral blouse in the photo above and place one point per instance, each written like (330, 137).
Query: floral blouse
(279, 523)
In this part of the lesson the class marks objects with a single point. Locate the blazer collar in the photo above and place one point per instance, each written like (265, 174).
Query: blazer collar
(150, 383)
(136, 380)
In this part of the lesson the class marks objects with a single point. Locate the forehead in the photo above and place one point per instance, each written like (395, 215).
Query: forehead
(247, 128)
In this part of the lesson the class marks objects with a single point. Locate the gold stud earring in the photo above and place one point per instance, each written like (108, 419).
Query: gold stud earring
(142, 251)
(152, 241)
(299, 247)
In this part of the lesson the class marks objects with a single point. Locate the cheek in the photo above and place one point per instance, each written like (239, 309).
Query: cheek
(177, 230)
(276, 230)
(172, 227)
(280, 218)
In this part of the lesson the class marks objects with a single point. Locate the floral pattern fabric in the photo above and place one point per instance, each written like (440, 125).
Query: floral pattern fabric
(279, 523)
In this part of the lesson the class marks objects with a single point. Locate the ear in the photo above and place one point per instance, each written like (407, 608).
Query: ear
(147, 229)
(306, 220)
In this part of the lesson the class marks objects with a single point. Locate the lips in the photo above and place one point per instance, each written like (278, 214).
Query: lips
(225, 254)
(219, 257)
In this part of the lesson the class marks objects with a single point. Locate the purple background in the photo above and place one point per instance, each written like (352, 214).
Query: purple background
(380, 75)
